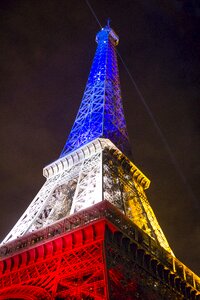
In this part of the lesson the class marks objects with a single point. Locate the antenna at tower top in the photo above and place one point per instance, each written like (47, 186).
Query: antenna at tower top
(108, 22)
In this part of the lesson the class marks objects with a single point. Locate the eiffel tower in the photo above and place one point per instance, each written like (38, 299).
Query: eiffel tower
(90, 232)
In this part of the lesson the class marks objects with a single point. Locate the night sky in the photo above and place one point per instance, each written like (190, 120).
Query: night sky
(46, 50)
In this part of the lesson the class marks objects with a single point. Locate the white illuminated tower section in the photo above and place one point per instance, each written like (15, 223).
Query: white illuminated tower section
(94, 164)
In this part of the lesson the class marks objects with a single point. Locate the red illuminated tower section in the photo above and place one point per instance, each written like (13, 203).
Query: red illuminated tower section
(90, 232)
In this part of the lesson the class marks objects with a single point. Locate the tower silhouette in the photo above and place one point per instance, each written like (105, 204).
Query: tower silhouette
(90, 232)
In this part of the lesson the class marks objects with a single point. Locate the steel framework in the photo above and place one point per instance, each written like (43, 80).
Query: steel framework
(101, 255)
(90, 233)
(101, 112)
(95, 172)
(92, 168)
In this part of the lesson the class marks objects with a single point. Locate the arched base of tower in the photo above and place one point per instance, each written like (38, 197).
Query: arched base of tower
(24, 292)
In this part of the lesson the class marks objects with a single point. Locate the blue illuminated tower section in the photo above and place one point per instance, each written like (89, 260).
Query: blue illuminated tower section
(101, 113)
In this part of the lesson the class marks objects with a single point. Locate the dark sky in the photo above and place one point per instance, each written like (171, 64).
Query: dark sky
(46, 50)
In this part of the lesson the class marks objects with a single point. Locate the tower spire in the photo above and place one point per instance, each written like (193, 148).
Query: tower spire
(101, 113)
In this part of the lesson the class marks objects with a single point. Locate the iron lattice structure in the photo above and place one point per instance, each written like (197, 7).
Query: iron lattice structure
(97, 253)
(90, 233)
(101, 112)
(91, 167)
(93, 173)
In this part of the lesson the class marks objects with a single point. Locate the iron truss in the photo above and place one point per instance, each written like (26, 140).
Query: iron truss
(90, 232)
(96, 254)
(91, 168)
(96, 172)
(101, 113)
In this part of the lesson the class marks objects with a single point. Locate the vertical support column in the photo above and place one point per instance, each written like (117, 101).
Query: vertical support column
(106, 263)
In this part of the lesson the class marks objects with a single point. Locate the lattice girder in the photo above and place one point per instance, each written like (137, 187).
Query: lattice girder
(101, 112)
(96, 172)
(87, 173)
(95, 261)
(26, 292)
(90, 232)
(71, 266)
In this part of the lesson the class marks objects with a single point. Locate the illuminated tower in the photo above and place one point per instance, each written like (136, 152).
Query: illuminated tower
(90, 232)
